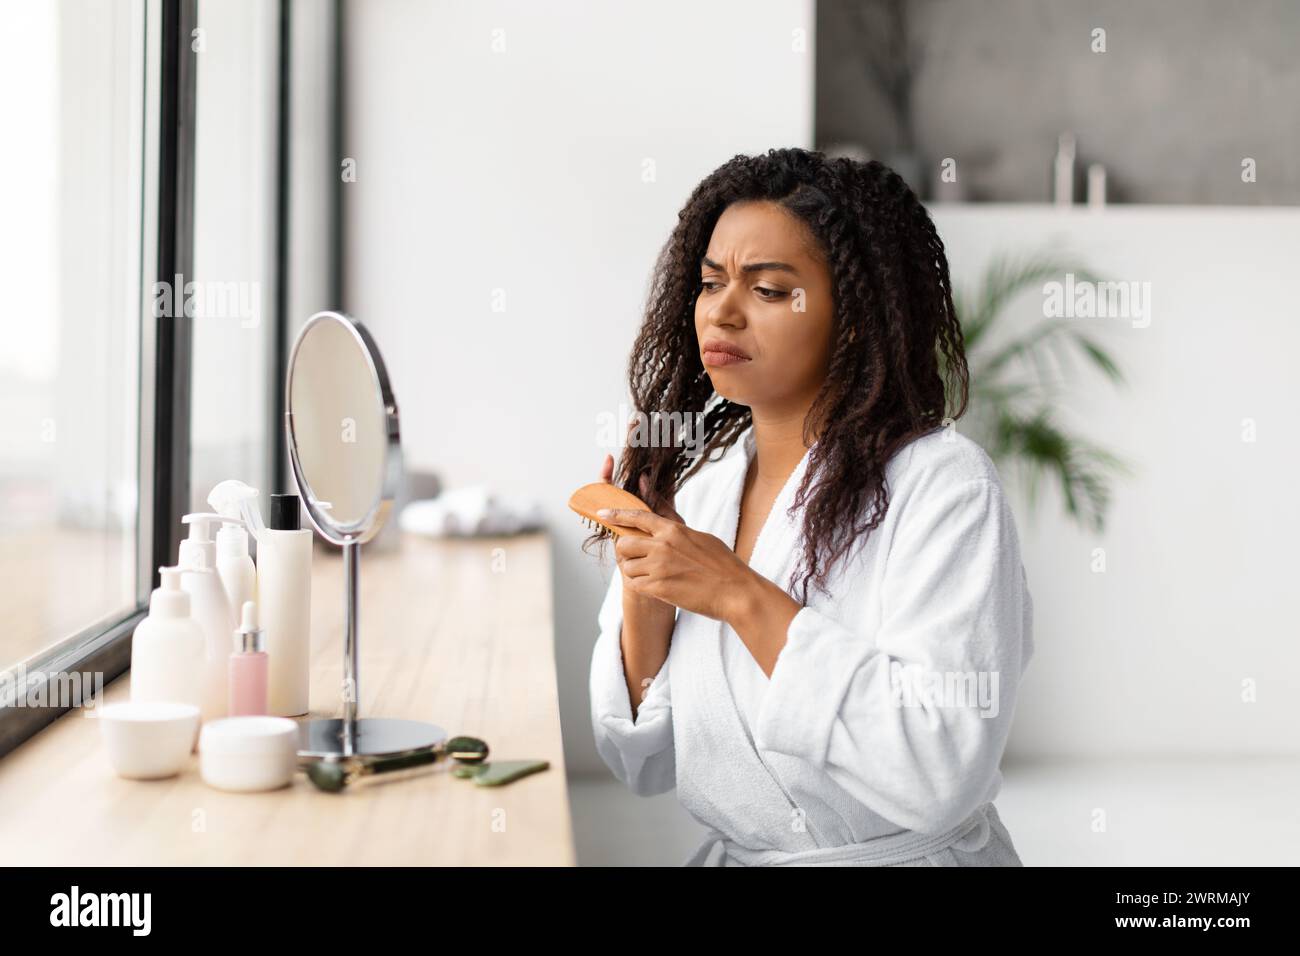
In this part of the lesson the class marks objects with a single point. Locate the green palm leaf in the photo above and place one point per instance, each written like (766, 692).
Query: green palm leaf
(1011, 415)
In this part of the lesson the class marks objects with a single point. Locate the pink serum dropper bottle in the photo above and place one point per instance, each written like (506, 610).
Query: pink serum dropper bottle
(249, 670)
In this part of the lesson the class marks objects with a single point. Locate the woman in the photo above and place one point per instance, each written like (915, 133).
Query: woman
(819, 639)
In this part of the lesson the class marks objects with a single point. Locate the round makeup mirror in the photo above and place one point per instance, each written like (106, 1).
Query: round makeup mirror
(341, 424)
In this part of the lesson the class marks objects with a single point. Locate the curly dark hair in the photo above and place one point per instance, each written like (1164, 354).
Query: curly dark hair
(897, 353)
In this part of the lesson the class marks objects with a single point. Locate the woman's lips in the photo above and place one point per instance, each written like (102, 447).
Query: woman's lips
(715, 358)
(717, 354)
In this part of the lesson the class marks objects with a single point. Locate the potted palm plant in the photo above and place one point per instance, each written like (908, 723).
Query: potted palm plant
(1016, 378)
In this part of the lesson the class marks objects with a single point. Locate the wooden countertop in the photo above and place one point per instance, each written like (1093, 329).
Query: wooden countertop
(456, 633)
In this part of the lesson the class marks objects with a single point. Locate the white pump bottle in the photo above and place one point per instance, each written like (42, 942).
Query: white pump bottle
(168, 651)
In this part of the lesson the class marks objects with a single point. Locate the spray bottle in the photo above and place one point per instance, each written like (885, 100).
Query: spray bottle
(210, 608)
(236, 502)
(234, 566)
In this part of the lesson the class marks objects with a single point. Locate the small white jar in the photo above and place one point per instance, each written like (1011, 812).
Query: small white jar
(149, 740)
(247, 754)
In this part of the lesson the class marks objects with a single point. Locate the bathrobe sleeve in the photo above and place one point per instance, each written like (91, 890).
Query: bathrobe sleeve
(954, 602)
(640, 752)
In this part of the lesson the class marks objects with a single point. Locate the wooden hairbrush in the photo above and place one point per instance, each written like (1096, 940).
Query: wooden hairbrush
(589, 499)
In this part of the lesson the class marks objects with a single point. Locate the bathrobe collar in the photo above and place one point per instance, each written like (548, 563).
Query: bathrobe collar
(779, 535)
(775, 557)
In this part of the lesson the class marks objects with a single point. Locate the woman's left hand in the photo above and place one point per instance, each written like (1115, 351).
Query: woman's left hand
(697, 572)
(690, 569)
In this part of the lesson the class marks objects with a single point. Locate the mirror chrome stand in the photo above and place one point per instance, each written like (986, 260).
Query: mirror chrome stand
(351, 673)
(351, 735)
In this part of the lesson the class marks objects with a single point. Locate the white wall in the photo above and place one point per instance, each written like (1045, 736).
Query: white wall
(522, 171)
(1199, 590)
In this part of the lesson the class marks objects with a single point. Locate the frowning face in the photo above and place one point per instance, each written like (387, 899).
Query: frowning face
(764, 315)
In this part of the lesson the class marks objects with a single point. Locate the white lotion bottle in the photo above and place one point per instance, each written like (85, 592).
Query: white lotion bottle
(168, 650)
(284, 592)
(211, 609)
(234, 566)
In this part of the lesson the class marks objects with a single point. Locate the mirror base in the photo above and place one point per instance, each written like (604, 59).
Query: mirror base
(372, 737)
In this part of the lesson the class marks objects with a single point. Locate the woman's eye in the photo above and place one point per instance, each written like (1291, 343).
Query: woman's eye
(709, 285)
(770, 294)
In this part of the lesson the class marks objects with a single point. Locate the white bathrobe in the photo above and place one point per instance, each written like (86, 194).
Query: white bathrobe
(877, 739)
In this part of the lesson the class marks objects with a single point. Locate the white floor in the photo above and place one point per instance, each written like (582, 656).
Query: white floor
(1158, 811)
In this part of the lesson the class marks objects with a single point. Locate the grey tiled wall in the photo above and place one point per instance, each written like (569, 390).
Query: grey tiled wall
(1185, 90)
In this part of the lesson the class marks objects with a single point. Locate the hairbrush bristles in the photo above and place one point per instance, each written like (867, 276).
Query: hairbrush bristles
(589, 499)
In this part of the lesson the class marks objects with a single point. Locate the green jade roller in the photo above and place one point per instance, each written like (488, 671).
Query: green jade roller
(333, 775)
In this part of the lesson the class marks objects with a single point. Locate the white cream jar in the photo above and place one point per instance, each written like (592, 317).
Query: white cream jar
(246, 754)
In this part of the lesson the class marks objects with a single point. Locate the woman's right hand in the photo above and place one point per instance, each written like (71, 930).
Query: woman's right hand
(647, 622)
(665, 511)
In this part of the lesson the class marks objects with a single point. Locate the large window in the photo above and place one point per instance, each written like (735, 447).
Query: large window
(235, 232)
(145, 226)
(73, 75)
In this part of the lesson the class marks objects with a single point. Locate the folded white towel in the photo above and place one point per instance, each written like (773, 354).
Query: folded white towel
(472, 512)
